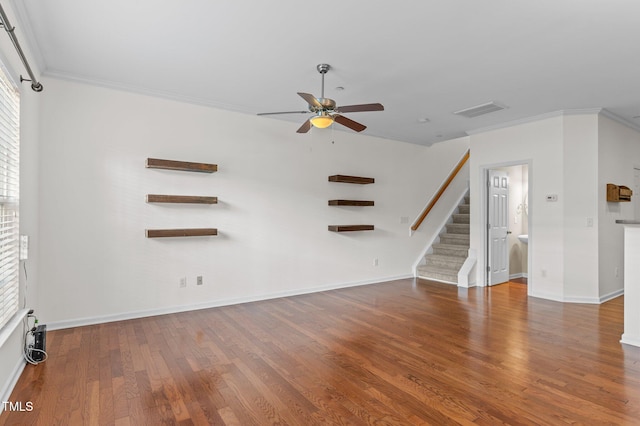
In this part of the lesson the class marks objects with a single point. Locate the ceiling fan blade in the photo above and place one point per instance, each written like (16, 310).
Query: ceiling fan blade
(283, 112)
(306, 126)
(311, 100)
(360, 108)
(353, 125)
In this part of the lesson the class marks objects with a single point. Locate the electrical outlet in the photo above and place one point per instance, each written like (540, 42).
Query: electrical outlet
(199, 280)
(183, 282)
(375, 261)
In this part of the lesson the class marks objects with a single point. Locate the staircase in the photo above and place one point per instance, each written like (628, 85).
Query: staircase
(448, 255)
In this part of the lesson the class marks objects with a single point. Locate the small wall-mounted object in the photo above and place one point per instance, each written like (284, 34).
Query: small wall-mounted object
(186, 166)
(192, 232)
(350, 228)
(357, 203)
(351, 179)
(187, 199)
(618, 193)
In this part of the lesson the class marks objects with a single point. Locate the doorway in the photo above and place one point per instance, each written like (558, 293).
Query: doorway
(508, 223)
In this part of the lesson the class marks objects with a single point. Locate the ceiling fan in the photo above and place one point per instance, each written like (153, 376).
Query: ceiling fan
(325, 110)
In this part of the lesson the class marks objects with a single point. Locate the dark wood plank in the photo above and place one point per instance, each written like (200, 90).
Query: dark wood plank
(192, 232)
(351, 179)
(403, 352)
(357, 203)
(186, 166)
(350, 228)
(188, 199)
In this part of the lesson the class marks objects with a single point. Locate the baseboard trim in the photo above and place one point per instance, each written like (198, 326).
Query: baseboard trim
(518, 275)
(586, 300)
(633, 341)
(80, 322)
(611, 295)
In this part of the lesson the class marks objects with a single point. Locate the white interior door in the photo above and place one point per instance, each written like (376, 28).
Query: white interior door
(498, 226)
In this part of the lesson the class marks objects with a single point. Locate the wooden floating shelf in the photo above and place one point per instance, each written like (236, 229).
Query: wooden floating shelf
(193, 232)
(359, 203)
(189, 199)
(350, 228)
(186, 166)
(618, 193)
(351, 179)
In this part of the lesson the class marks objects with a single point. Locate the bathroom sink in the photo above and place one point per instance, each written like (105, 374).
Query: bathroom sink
(524, 238)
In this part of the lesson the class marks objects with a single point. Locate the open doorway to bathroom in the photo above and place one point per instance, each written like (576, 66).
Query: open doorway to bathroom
(514, 251)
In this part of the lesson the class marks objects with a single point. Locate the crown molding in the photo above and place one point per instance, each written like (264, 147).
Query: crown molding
(534, 118)
(60, 75)
(621, 120)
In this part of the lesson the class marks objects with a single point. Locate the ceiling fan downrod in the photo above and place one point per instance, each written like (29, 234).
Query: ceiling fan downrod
(322, 69)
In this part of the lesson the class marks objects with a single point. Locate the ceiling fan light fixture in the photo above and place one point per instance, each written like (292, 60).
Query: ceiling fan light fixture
(322, 121)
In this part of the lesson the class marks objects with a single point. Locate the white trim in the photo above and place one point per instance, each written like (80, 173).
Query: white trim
(9, 328)
(519, 275)
(630, 340)
(144, 91)
(560, 113)
(10, 384)
(467, 267)
(612, 295)
(621, 120)
(587, 300)
(547, 296)
(540, 117)
(79, 322)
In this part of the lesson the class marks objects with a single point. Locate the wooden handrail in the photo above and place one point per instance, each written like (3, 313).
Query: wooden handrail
(443, 188)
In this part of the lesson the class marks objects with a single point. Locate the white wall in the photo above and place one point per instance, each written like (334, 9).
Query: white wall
(539, 145)
(575, 246)
(580, 201)
(272, 214)
(618, 154)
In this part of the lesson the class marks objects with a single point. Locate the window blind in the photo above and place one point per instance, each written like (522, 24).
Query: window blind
(9, 191)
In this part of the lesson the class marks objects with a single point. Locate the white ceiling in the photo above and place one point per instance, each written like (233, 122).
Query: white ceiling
(420, 59)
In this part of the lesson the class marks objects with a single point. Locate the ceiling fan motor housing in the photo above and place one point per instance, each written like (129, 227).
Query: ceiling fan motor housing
(326, 105)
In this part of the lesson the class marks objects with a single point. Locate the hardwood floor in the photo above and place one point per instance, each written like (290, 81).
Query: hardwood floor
(403, 352)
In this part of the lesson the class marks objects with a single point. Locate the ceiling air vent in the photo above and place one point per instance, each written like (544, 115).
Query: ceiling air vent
(480, 110)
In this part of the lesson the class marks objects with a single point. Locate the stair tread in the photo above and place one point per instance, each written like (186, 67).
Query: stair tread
(436, 256)
(438, 269)
(450, 246)
(454, 236)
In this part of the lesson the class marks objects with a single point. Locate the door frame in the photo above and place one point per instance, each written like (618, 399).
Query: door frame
(483, 219)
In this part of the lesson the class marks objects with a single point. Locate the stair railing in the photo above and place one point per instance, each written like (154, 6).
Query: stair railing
(443, 188)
